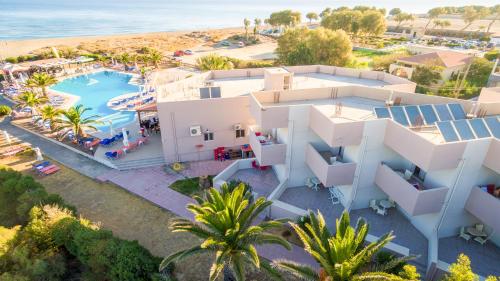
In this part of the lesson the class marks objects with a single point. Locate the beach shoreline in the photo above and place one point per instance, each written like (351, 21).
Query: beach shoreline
(12, 48)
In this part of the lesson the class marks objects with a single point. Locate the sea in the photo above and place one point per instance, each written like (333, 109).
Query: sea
(32, 19)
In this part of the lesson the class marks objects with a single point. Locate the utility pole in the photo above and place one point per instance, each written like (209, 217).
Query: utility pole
(463, 81)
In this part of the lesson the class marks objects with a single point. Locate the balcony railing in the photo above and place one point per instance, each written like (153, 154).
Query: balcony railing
(415, 201)
(268, 117)
(330, 174)
(335, 133)
(491, 160)
(267, 151)
(485, 207)
(420, 151)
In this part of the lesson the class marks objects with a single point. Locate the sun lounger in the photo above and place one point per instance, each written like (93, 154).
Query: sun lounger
(37, 166)
(50, 171)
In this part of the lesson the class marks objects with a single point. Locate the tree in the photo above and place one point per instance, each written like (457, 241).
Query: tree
(433, 14)
(395, 11)
(479, 72)
(495, 11)
(125, 58)
(50, 114)
(287, 18)
(73, 120)
(347, 20)
(426, 75)
(461, 270)
(257, 23)
(342, 256)
(402, 17)
(246, 23)
(319, 46)
(312, 16)
(373, 23)
(155, 57)
(30, 99)
(214, 62)
(471, 14)
(325, 12)
(41, 81)
(225, 223)
(382, 63)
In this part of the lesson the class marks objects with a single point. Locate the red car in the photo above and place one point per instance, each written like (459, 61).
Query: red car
(179, 53)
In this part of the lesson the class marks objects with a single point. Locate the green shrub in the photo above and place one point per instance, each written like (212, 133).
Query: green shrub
(5, 110)
(11, 59)
(492, 55)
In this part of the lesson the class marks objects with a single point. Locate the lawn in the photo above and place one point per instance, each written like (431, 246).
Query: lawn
(128, 216)
(365, 53)
(189, 186)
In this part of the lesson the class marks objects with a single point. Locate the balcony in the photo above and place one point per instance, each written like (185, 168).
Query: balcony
(267, 150)
(485, 207)
(491, 160)
(421, 151)
(411, 194)
(268, 117)
(336, 132)
(330, 174)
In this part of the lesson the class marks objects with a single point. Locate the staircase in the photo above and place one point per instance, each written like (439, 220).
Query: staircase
(140, 163)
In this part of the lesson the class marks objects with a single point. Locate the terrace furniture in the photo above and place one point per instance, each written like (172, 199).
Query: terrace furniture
(381, 211)
(386, 204)
(312, 183)
(464, 235)
(475, 232)
(481, 240)
(377, 208)
(334, 195)
(50, 171)
(373, 204)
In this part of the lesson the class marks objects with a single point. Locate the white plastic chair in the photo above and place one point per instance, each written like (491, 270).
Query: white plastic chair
(311, 184)
(464, 235)
(481, 240)
(373, 204)
(381, 211)
(334, 195)
(479, 227)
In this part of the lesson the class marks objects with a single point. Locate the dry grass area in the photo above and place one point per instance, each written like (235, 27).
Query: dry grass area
(127, 215)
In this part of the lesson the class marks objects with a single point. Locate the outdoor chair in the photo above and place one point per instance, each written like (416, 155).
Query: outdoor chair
(373, 204)
(311, 184)
(381, 211)
(479, 227)
(481, 240)
(334, 195)
(393, 203)
(464, 235)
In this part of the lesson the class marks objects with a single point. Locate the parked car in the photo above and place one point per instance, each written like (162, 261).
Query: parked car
(225, 43)
(241, 44)
(188, 52)
(179, 53)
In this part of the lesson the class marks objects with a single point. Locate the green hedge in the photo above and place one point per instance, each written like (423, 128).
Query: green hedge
(4, 109)
(54, 244)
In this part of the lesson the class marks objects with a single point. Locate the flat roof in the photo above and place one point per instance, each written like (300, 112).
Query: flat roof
(322, 80)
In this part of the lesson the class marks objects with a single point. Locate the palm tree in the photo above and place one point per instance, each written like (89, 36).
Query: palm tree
(41, 80)
(214, 62)
(257, 23)
(30, 99)
(433, 14)
(155, 57)
(343, 256)
(51, 114)
(145, 59)
(73, 120)
(246, 23)
(125, 59)
(225, 223)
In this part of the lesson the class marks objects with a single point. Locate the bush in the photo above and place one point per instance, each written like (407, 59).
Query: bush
(11, 59)
(5, 110)
(492, 55)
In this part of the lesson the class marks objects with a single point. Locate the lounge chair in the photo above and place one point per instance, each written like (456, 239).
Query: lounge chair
(464, 235)
(112, 155)
(40, 165)
(50, 171)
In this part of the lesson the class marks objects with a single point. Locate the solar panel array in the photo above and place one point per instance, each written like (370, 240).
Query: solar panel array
(210, 92)
(469, 129)
(449, 118)
(417, 115)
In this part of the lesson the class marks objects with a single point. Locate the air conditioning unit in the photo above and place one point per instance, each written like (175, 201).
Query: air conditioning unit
(237, 126)
(195, 131)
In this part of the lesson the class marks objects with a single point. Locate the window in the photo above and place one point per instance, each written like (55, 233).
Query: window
(240, 133)
(208, 136)
(419, 173)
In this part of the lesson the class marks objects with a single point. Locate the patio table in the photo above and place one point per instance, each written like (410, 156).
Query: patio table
(385, 204)
(474, 232)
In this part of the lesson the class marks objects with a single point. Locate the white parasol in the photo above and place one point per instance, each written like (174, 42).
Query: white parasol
(125, 137)
(38, 154)
(111, 131)
(7, 137)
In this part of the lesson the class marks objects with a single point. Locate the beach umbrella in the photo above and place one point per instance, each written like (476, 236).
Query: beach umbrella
(111, 130)
(38, 154)
(125, 137)
(55, 52)
(7, 137)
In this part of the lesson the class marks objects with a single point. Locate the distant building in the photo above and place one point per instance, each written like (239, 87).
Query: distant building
(451, 62)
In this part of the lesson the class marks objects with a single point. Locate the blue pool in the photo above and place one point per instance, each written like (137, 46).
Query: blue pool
(95, 90)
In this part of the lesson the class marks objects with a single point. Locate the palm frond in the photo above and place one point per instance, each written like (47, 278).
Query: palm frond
(299, 270)
(180, 255)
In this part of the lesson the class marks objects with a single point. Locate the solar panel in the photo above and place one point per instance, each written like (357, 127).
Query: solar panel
(382, 112)
(429, 114)
(414, 115)
(493, 125)
(464, 130)
(398, 114)
(479, 128)
(204, 93)
(443, 112)
(215, 92)
(457, 111)
(447, 131)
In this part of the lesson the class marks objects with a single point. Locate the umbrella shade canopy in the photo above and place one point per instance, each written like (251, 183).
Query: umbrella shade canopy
(7, 137)
(111, 130)
(125, 137)
(38, 154)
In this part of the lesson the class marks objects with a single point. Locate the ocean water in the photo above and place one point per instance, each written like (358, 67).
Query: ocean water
(31, 19)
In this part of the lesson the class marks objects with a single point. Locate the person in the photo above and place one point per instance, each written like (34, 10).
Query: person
(142, 132)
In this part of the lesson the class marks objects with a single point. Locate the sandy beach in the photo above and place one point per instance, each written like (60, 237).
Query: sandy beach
(164, 41)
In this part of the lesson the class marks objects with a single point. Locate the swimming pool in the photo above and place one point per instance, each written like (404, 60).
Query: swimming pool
(95, 90)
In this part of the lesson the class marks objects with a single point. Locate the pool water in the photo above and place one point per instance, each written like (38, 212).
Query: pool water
(95, 90)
